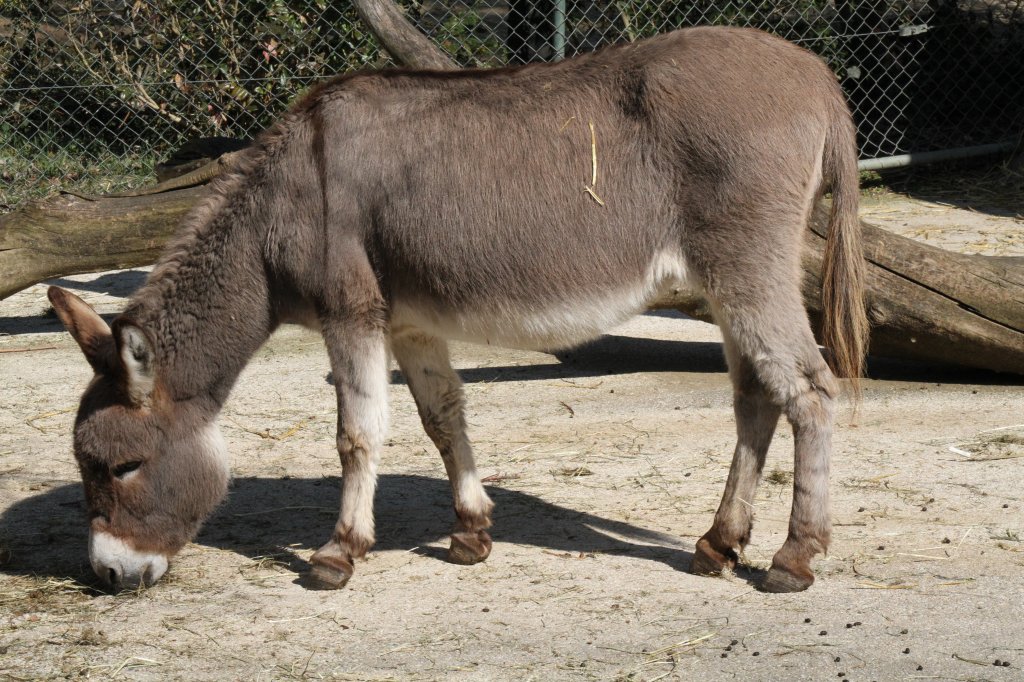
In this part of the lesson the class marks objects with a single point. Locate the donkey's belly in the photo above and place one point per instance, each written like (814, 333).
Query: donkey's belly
(558, 322)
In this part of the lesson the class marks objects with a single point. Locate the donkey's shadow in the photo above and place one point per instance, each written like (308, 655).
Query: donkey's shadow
(46, 534)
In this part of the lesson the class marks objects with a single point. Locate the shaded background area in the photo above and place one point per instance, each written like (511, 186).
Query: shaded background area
(93, 94)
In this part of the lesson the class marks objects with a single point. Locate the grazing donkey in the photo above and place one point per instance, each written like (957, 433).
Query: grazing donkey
(531, 207)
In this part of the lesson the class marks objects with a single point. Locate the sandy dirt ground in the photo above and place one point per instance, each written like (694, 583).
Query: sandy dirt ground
(606, 464)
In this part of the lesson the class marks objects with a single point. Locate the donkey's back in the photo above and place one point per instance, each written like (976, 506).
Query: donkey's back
(537, 206)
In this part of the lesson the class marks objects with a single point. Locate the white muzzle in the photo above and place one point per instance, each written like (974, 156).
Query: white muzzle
(121, 566)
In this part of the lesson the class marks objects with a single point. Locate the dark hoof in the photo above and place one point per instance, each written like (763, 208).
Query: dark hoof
(708, 561)
(469, 547)
(782, 580)
(329, 572)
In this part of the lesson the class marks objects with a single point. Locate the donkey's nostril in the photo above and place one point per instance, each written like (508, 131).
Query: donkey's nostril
(151, 575)
(112, 577)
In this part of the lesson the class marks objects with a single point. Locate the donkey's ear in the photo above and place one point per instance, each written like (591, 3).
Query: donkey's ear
(137, 360)
(88, 329)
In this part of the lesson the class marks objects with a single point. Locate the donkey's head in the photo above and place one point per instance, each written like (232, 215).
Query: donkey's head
(153, 468)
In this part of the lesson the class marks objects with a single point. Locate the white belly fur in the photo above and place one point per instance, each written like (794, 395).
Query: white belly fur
(562, 324)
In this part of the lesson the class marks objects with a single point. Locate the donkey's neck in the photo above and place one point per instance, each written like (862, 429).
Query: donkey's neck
(207, 306)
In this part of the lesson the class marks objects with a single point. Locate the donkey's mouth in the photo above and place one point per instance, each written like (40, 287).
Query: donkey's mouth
(120, 566)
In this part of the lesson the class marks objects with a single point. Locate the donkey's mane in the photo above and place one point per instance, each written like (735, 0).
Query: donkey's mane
(226, 196)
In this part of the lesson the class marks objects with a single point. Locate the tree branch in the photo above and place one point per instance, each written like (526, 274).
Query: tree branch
(400, 38)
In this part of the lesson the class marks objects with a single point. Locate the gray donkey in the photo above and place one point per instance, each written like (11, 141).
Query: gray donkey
(531, 207)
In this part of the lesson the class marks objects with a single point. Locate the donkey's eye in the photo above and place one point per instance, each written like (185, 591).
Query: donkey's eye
(122, 470)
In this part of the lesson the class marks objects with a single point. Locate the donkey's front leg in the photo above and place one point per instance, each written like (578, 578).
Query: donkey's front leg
(437, 390)
(358, 353)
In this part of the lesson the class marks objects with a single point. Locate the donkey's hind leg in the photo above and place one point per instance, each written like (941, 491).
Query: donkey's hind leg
(358, 352)
(756, 419)
(770, 331)
(437, 390)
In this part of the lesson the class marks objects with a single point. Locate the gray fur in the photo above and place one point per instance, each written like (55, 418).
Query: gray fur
(402, 208)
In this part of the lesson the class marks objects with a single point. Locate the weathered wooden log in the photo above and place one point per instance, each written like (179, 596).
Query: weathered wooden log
(924, 303)
(68, 235)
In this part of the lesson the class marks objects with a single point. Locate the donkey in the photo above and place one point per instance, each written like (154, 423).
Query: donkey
(530, 207)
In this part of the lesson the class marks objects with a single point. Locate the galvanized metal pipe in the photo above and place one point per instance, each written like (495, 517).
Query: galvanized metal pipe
(559, 37)
(917, 158)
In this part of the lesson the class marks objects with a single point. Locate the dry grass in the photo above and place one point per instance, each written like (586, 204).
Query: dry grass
(26, 595)
(1005, 442)
(779, 477)
(591, 189)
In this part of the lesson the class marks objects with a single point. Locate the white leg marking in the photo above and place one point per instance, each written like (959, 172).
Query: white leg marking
(437, 390)
(360, 481)
(470, 494)
(369, 401)
(365, 427)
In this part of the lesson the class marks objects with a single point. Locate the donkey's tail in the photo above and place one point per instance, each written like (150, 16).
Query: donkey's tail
(845, 329)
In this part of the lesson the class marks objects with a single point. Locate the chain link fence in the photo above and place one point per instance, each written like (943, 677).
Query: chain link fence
(94, 92)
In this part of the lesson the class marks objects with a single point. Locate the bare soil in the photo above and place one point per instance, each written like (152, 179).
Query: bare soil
(606, 464)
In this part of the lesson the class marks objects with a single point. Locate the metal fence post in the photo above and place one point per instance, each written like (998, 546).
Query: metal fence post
(559, 34)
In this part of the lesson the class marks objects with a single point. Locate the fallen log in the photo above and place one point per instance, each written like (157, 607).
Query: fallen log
(924, 303)
(68, 235)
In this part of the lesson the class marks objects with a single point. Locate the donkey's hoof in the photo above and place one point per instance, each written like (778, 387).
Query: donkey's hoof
(329, 572)
(469, 547)
(709, 561)
(782, 580)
